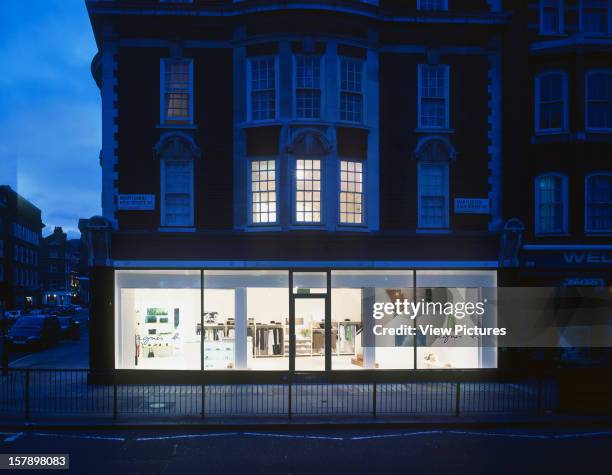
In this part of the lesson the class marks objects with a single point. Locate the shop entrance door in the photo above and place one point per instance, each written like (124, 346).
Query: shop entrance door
(309, 322)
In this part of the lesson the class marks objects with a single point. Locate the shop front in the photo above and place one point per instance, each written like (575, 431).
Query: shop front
(269, 317)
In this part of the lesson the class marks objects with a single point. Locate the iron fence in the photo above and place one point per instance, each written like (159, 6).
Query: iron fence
(53, 393)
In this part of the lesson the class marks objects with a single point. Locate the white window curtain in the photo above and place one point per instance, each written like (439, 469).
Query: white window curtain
(178, 186)
(550, 202)
(599, 100)
(599, 203)
(433, 195)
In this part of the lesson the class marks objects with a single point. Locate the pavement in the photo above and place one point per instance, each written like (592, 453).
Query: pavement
(563, 450)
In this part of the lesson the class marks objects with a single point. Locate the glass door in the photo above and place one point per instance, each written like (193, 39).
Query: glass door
(309, 337)
(309, 321)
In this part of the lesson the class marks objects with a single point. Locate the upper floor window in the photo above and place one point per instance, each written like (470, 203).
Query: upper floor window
(551, 16)
(351, 90)
(177, 193)
(433, 96)
(432, 5)
(308, 87)
(594, 16)
(599, 100)
(263, 191)
(351, 192)
(599, 203)
(262, 83)
(177, 91)
(551, 102)
(433, 194)
(551, 204)
(308, 191)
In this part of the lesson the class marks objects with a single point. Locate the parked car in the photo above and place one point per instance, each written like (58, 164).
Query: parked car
(40, 331)
(12, 315)
(70, 328)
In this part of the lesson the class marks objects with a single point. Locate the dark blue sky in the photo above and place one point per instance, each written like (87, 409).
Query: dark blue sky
(50, 116)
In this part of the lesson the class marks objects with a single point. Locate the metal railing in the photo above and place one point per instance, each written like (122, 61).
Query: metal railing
(53, 393)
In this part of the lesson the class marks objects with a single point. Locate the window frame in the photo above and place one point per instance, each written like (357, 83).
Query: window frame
(560, 19)
(587, 101)
(446, 97)
(364, 182)
(443, 9)
(250, 161)
(361, 63)
(162, 206)
(308, 224)
(162, 99)
(295, 87)
(250, 91)
(608, 18)
(564, 201)
(564, 99)
(446, 224)
(588, 230)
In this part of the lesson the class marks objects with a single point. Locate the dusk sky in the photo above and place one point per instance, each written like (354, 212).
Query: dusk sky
(50, 117)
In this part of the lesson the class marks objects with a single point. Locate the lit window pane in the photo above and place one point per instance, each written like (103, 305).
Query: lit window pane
(307, 198)
(177, 90)
(263, 183)
(350, 186)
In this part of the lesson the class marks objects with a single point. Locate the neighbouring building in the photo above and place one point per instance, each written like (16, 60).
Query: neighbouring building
(20, 234)
(56, 269)
(271, 169)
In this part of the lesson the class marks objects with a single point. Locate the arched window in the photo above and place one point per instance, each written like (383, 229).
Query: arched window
(599, 100)
(176, 152)
(551, 102)
(551, 203)
(598, 212)
(433, 184)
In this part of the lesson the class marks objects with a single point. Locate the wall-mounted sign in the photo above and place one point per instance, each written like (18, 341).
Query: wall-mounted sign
(567, 258)
(472, 206)
(136, 202)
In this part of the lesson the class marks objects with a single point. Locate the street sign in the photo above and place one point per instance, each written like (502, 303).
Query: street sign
(136, 202)
(472, 206)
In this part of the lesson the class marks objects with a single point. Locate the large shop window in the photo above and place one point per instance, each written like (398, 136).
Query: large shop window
(458, 352)
(240, 319)
(158, 313)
